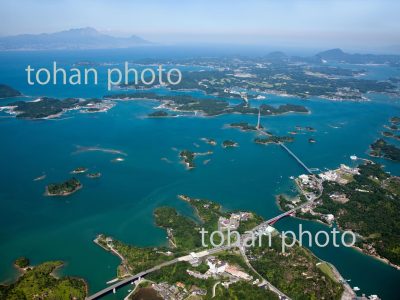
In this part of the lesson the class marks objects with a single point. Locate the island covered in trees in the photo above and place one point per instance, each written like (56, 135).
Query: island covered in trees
(7, 91)
(45, 108)
(208, 106)
(380, 148)
(63, 189)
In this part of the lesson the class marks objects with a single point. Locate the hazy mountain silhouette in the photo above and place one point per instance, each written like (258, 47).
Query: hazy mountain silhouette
(80, 38)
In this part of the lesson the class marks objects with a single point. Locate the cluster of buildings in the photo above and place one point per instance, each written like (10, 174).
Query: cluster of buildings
(219, 267)
(233, 222)
(310, 185)
(343, 175)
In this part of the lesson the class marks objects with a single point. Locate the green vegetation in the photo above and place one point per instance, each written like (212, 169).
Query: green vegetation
(22, 262)
(177, 273)
(280, 74)
(380, 148)
(395, 120)
(208, 212)
(372, 210)
(188, 158)
(48, 107)
(387, 133)
(250, 223)
(392, 184)
(294, 272)
(8, 92)
(139, 259)
(274, 140)
(229, 144)
(63, 189)
(239, 290)
(158, 114)
(284, 203)
(209, 106)
(244, 126)
(243, 290)
(184, 232)
(38, 283)
(327, 270)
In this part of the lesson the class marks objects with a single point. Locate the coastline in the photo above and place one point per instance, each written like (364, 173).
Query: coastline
(47, 193)
(380, 258)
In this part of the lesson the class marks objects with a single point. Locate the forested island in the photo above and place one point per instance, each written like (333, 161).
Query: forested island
(39, 283)
(22, 262)
(208, 106)
(45, 107)
(229, 144)
(63, 189)
(7, 91)
(274, 140)
(158, 114)
(244, 126)
(380, 148)
(188, 158)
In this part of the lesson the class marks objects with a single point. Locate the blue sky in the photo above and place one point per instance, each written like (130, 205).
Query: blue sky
(288, 22)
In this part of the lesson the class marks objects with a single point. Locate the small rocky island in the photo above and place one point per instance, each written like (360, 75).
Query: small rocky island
(158, 114)
(79, 170)
(209, 141)
(7, 91)
(94, 175)
(22, 262)
(188, 158)
(229, 144)
(63, 189)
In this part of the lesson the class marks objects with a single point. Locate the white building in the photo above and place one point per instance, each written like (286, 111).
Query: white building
(216, 266)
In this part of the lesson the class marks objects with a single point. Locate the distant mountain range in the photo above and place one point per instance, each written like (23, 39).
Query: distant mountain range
(80, 38)
(356, 58)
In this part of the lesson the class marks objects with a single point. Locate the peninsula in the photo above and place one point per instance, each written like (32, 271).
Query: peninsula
(365, 200)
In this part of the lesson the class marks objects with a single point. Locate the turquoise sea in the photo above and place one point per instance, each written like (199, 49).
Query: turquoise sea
(121, 202)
